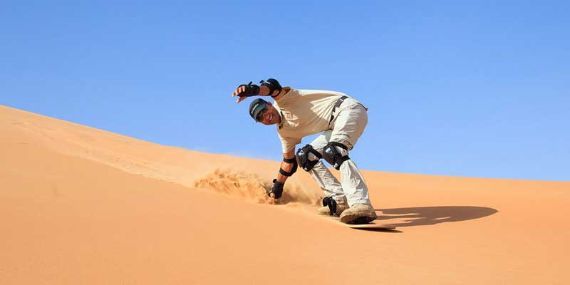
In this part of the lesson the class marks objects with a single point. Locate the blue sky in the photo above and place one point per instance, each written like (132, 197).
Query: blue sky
(469, 88)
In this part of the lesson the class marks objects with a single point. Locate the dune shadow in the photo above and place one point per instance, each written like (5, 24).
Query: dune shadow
(423, 216)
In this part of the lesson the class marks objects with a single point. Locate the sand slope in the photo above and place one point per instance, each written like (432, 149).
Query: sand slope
(84, 206)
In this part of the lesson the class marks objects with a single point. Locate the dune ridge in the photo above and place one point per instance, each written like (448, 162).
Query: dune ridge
(80, 205)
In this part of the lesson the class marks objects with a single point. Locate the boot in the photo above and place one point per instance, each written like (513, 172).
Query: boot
(358, 214)
(339, 206)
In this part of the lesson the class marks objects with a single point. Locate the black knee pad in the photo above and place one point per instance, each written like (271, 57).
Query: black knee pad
(335, 153)
(308, 157)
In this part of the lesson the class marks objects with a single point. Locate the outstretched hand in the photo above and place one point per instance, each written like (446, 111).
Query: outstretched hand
(240, 90)
(245, 90)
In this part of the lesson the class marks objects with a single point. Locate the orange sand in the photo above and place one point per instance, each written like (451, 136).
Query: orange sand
(84, 206)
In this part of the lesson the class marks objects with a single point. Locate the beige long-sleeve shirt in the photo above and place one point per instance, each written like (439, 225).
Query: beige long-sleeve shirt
(304, 113)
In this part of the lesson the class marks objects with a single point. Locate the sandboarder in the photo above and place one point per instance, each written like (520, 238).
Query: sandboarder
(339, 119)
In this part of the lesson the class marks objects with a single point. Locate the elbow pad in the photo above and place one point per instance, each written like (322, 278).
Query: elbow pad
(272, 84)
(293, 170)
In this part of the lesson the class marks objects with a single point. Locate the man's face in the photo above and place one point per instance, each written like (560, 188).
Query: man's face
(269, 116)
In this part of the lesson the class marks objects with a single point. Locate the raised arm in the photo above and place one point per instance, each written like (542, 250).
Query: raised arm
(270, 87)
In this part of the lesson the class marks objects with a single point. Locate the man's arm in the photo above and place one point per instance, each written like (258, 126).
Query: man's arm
(271, 87)
(285, 165)
(287, 168)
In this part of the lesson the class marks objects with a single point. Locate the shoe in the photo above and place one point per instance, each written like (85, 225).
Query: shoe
(338, 205)
(358, 214)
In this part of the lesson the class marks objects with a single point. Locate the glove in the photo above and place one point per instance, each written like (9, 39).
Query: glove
(276, 190)
(331, 203)
(247, 90)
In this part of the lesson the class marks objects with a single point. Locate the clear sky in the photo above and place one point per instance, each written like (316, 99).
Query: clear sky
(470, 88)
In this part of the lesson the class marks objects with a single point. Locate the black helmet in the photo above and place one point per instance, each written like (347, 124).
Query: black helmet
(256, 108)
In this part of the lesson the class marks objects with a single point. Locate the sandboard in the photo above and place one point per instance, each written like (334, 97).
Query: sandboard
(372, 226)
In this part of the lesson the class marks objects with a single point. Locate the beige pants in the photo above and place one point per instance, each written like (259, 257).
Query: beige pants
(347, 126)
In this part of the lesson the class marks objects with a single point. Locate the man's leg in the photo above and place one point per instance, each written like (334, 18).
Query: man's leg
(325, 179)
(330, 185)
(348, 126)
(356, 190)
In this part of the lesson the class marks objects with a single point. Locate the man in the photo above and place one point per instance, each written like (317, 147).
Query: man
(340, 119)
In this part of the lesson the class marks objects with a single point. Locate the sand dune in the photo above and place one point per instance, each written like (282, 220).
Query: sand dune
(85, 206)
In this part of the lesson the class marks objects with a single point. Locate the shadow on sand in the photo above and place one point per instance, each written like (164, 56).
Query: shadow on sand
(423, 216)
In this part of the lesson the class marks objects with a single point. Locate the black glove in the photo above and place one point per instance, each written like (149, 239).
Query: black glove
(249, 89)
(276, 190)
(331, 203)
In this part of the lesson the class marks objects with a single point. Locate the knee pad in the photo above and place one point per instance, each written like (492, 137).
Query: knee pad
(308, 157)
(335, 153)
